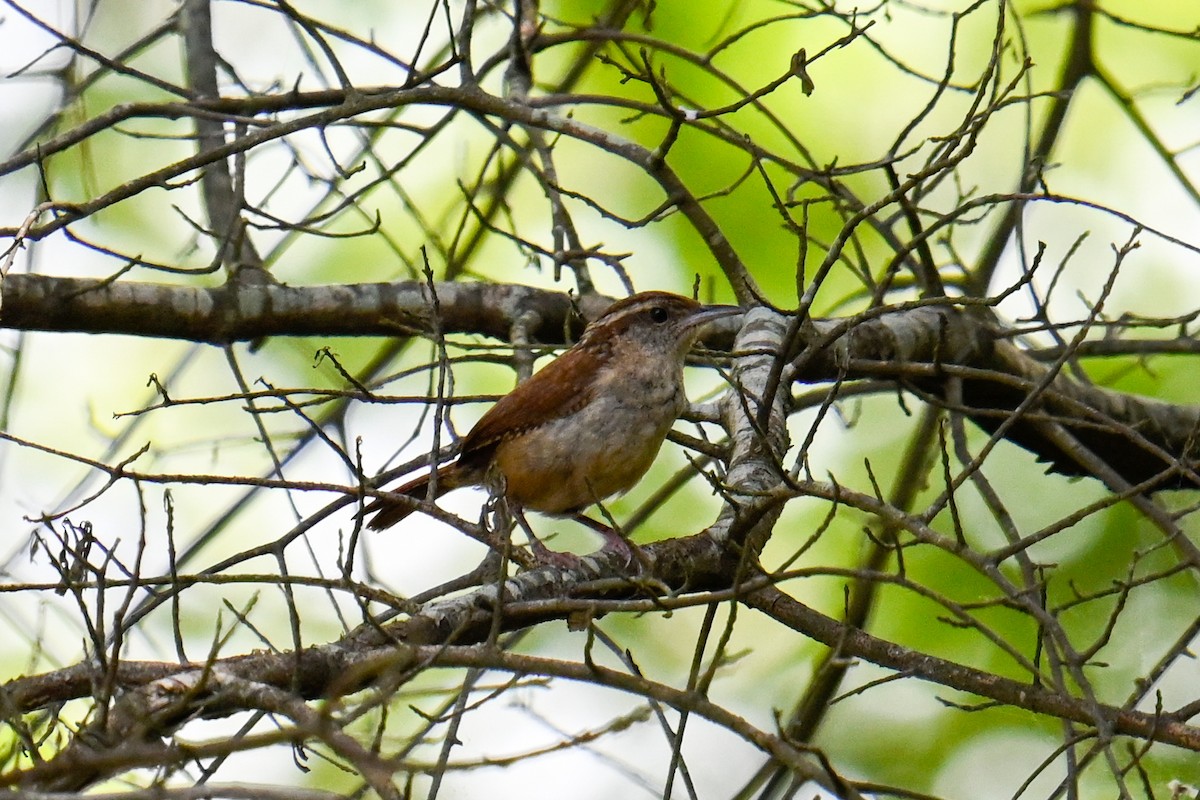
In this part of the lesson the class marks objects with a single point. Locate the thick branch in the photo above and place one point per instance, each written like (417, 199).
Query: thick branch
(349, 665)
(1149, 443)
(222, 314)
(1146, 441)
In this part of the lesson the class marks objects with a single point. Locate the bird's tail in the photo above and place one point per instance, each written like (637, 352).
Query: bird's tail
(388, 511)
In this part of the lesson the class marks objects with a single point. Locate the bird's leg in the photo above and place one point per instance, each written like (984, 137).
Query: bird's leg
(614, 541)
(497, 520)
(614, 538)
(514, 513)
(544, 554)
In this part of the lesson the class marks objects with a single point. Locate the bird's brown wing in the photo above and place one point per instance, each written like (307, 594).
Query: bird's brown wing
(558, 390)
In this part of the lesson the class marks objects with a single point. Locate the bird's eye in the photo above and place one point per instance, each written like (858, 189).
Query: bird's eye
(659, 314)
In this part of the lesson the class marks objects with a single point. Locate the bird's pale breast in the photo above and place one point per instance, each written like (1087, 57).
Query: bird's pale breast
(601, 450)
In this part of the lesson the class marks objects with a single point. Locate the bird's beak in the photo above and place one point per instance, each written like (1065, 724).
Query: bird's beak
(700, 324)
(710, 314)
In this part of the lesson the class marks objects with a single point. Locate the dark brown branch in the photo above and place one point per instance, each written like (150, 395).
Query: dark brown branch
(858, 644)
(1145, 441)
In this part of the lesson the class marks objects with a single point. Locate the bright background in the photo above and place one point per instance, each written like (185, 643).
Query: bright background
(64, 390)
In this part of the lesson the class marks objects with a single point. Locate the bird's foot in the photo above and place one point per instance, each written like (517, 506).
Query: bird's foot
(553, 558)
(614, 542)
(544, 555)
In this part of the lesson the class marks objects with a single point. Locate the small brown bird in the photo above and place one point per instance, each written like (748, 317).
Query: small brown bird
(585, 427)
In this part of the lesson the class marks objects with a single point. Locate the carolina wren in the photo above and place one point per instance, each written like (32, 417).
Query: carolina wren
(585, 427)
